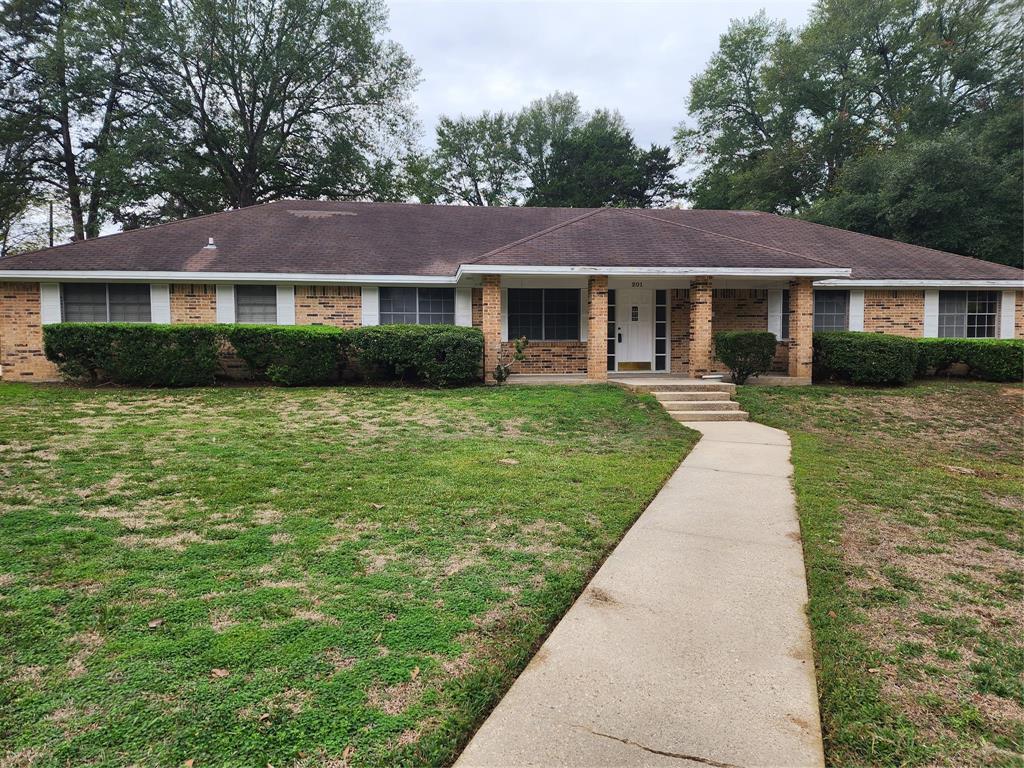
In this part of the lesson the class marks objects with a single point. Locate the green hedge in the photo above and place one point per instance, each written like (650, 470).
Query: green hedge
(187, 355)
(746, 353)
(289, 355)
(436, 355)
(989, 359)
(864, 358)
(136, 354)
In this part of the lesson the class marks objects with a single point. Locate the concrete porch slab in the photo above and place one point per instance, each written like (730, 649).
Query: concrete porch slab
(691, 644)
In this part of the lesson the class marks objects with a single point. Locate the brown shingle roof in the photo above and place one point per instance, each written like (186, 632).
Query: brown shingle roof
(314, 237)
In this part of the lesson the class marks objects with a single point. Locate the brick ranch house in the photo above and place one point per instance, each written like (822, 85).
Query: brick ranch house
(596, 291)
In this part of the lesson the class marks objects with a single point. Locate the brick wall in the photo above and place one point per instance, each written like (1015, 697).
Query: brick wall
(21, 335)
(550, 357)
(339, 305)
(700, 331)
(478, 307)
(746, 309)
(679, 332)
(193, 303)
(490, 323)
(801, 327)
(1018, 321)
(900, 313)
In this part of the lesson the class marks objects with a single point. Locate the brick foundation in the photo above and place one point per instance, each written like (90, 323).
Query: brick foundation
(193, 303)
(900, 313)
(21, 335)
(550, 357)
(338, 305)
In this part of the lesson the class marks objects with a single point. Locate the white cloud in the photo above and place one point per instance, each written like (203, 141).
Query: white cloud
(637, 57)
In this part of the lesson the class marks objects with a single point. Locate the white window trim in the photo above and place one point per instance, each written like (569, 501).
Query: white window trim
(160, 303)
(775, 313)
(504, 314)
(931, 315)
(1007, 314)
(584, 313)
(370, 302)
(49, 303)
(225, 303)
(464, 307)
(286, 305)
(855, 310)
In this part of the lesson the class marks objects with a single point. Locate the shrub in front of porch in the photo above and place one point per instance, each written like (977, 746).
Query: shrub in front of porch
(435, 355)
(864, 358)
(745, 353)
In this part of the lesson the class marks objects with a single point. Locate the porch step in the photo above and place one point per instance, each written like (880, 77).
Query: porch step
(695, 386)
(736, 415)
(682, 397)
(701, 405)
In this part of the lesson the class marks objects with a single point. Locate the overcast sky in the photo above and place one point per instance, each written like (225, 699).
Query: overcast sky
(637, 57)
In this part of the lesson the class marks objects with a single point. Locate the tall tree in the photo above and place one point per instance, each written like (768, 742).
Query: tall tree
(68, 70)
(542, 123)
(816, 123)
(598, 164)
(265, 99)
(478, 161)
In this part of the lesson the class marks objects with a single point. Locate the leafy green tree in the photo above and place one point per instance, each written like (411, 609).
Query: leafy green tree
(478, 161)
(598, 164)
(541, 124)
(259, 100)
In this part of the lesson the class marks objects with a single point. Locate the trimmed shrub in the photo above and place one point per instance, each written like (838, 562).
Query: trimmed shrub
(437, 355)
(865, 358)
(989, 359)
(289, 355)
(746, 353)
(136, 354)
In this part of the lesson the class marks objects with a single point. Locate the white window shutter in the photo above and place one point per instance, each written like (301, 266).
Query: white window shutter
(1007, 314)
(464, 306)
(225, 303)
(504, 314)
(160, 302)
(931, 314)
(286, 305)
(775, 312)
(49, 303)
(371, 305)
(584, 313)
(856, 322)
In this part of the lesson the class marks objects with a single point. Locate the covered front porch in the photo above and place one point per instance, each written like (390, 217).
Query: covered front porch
(634, 327)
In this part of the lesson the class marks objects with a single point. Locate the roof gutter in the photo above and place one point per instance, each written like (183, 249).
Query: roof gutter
(919, 283)
(503, 269)
(114, 276)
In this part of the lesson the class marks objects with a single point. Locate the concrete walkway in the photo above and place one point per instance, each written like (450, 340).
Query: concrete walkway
(690, 646)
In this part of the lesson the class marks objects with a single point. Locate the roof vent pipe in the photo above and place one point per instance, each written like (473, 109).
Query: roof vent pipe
(211, 244)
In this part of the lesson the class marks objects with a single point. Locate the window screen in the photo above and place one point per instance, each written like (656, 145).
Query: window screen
(968, 314)
(129, 303)
(544, 314)
(785, 315)
(830, 310)
(421, 306)
(103, 302)
(256, 304)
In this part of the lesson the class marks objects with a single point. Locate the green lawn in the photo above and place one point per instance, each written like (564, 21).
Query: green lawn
(311, 577)
(912, 513)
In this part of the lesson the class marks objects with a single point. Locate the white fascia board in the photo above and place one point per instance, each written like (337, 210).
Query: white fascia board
(121, 276)
(500, 269)
(919, 284)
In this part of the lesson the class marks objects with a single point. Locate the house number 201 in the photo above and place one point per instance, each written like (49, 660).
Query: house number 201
(638, 283)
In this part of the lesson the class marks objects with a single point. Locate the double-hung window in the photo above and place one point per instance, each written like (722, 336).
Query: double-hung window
(968, 314)
(544, 314)
(256, 304)
(417, 306)
(831, 310)
(106, 302)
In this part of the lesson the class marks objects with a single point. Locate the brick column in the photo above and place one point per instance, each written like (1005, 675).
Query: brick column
(491, 324)
(597, 328)
(701, 341)
(801, 327)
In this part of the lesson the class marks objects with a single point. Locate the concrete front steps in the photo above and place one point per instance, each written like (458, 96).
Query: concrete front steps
(700, 401)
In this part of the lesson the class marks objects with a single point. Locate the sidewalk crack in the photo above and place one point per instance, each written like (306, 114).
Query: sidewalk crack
(676, 755)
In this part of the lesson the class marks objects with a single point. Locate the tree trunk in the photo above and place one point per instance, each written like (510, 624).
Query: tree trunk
(67, 147)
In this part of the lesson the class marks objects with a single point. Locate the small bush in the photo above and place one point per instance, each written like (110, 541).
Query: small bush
(289, 355)
(437, 355)
(989, 359)
(865, 358)
(135, 354)
(746, 353)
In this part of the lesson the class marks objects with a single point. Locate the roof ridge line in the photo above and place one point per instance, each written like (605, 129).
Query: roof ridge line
(541, 233)
(140, 229)
(645, 215)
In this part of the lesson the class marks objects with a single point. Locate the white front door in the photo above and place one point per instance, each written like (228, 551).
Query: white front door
(634, 314)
